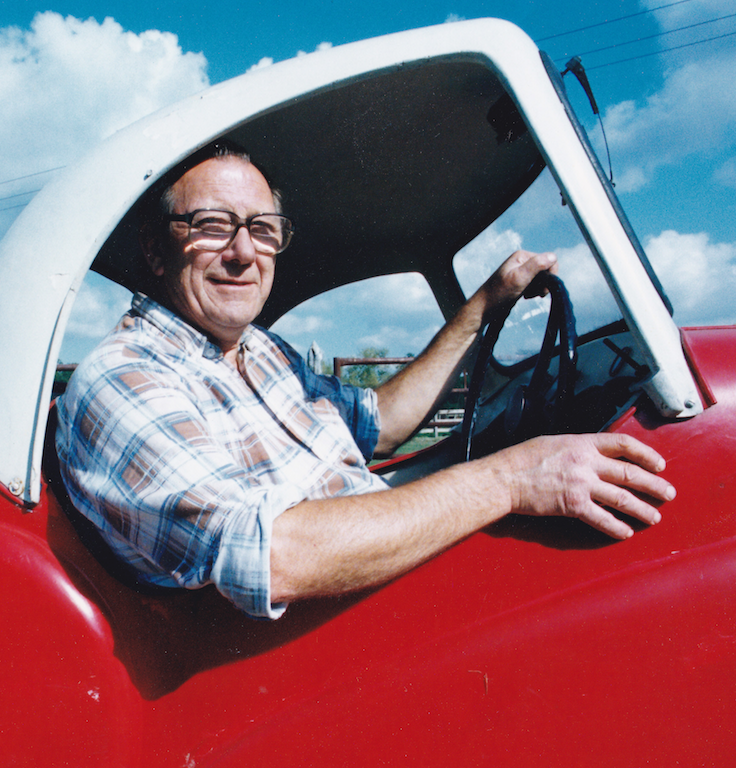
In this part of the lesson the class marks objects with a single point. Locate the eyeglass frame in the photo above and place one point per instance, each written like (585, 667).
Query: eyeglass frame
(187, 218)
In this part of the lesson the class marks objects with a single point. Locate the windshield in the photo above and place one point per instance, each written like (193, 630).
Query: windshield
(538, 221)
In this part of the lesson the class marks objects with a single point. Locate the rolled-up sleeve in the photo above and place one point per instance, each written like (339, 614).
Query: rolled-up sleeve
(242, 567)
(139, 461)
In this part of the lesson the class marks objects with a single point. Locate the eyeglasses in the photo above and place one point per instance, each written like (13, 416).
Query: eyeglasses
(216, 230)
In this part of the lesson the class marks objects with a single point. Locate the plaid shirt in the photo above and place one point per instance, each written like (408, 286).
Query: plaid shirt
(183, 462)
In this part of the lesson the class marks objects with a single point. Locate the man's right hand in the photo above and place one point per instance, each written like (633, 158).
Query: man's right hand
(585, 476)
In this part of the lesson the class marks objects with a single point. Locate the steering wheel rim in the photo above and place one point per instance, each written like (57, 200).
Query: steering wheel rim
(528, 403)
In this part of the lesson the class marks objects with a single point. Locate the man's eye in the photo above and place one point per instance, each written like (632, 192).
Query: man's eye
(262, 229)
(213, 224)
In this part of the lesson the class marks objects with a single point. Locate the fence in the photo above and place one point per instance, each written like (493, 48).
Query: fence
(444, 419)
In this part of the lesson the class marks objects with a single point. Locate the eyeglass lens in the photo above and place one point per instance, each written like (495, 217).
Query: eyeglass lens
(215, 230)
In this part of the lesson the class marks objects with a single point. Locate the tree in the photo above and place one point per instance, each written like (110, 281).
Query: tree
(368, 375)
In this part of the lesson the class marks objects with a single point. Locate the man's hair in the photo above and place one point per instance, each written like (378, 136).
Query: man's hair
(158, 201)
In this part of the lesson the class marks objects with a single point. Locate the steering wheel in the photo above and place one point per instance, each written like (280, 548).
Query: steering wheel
(528, 411)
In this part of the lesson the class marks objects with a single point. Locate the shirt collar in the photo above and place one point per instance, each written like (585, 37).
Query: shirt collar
(190, 339)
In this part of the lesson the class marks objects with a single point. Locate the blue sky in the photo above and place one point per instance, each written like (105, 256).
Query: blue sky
(73, 72)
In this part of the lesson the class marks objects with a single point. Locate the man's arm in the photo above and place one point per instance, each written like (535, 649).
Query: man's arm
(415, 393)
(344, 544)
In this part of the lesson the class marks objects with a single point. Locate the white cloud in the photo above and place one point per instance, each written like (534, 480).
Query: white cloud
(99, 302)
(699, 276)
(591, 297)
(475, 263)
(391, 291)
(396, 312)
(400, 340)
(321, 47)
(694, 112)
(266, 61)
(302, 323)
(68, 83)
(97, 308)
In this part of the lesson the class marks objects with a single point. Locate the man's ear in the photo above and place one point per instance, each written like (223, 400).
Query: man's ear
(152, 251)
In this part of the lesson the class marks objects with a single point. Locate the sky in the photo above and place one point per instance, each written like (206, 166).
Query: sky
(663, 73)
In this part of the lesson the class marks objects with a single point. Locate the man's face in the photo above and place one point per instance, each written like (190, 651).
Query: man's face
(220, 293)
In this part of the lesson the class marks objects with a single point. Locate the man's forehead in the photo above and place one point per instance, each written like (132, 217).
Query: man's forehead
(229, 181)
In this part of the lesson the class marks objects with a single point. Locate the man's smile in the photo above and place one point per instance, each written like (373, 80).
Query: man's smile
(229, 281)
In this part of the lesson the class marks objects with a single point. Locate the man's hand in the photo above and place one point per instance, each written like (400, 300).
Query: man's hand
(584, 476)
(512, 279)
(342, 544)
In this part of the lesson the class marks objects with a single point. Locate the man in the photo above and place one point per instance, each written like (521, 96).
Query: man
(206, 452)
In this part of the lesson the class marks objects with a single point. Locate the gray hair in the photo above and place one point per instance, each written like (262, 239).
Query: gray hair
(158, 201)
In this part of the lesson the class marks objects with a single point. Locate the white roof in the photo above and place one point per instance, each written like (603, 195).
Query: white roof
(52, 244)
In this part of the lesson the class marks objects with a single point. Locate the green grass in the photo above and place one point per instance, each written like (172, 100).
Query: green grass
(418, 442)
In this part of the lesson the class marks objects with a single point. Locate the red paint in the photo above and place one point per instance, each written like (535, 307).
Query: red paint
(538, 642)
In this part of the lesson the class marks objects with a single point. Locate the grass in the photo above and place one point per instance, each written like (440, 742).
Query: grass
(418, 442)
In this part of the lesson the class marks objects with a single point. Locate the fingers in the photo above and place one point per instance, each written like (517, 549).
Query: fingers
(605, 522)
(622, 474)
(598, 509)
(621, 446)
(515, 274)
(591, 477)
(511, 280)
(621, 482)
(525, 266)
(609, 497)
(540, 262)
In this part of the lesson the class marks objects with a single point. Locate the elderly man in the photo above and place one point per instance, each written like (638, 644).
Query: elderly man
(205, 451)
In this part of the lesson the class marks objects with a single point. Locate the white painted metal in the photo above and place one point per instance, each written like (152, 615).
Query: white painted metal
(50, 247)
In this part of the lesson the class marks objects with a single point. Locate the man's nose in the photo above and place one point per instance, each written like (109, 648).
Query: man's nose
(241, 249)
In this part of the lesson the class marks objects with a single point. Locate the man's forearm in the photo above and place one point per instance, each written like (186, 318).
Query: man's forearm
(416, 392)
(341, 545)
(334, 546)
